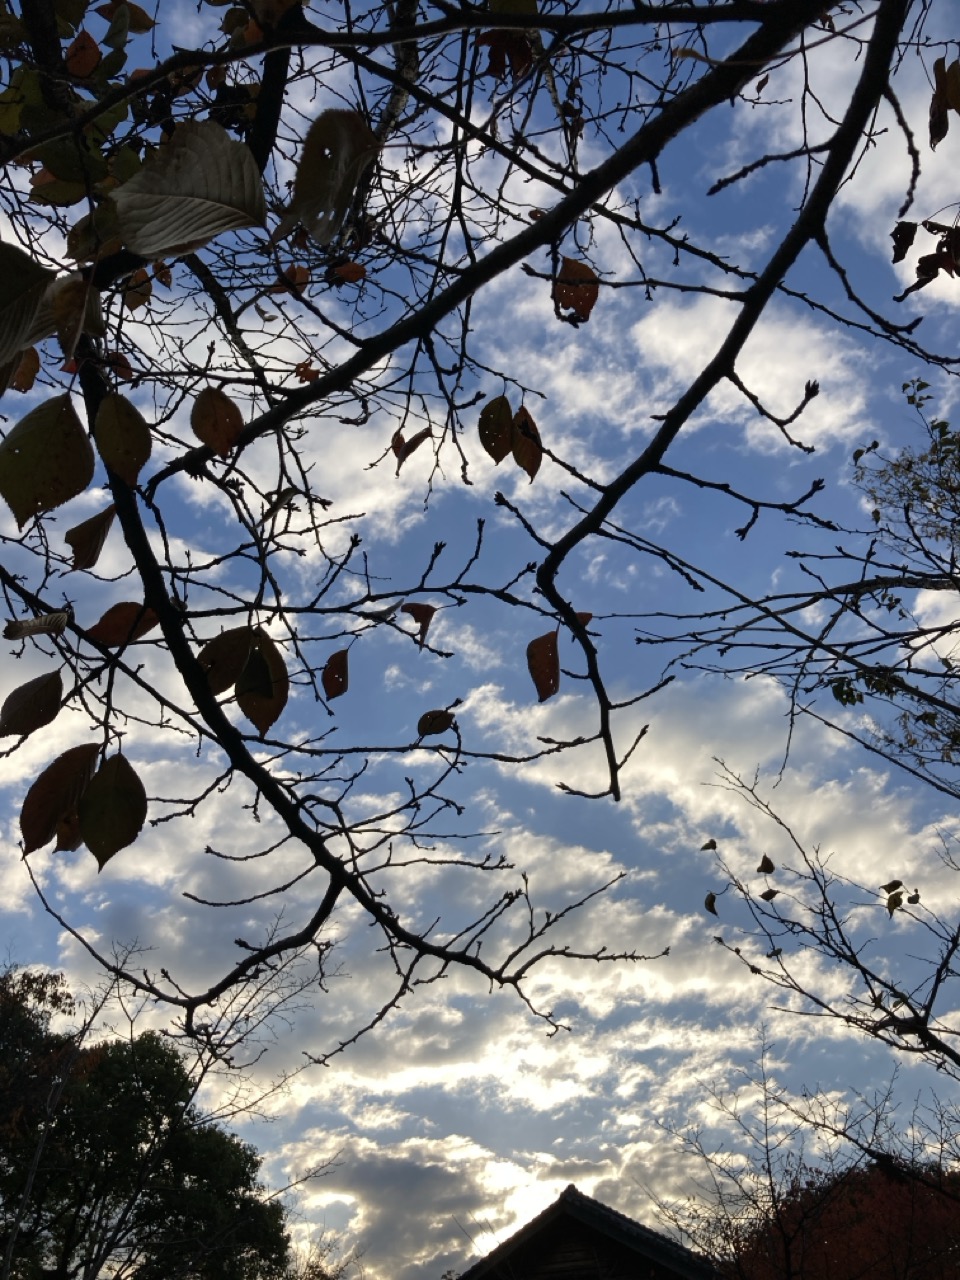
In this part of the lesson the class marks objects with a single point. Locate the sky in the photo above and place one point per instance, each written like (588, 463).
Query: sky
(460, 1116)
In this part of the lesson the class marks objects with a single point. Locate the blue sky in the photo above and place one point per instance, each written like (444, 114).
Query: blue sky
(459, 1116)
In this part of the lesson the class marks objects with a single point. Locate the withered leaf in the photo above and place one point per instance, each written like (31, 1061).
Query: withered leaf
(766, 866)
(939, 104)
(224, 657)
(543, 662)
(138, 290)
(82, 56)
(335, 676)
(422, 614)
(406, 447)
(576, 289)
(32, 705)
(710, 903)
(112, 809)
(894, 901)
(25, 374)
(55, 795)
(122, 624)
(768, 895)
(903, 235)
(525, 442)
(263, 686)
(86, 540)
(709, 847)
(216, 420)
(432, 722)
(496, 428)
(891, 886)
(47, 624)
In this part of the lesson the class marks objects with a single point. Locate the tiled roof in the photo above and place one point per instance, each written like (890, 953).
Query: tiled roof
(615, 1226)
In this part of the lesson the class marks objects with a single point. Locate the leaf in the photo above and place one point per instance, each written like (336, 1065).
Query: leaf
(71, 307)
(112, 809)
(349, 272)
(766, 866)
(95, 235)
(422, 614)
(338, 147)
(543, 662)
(525, 441)
(48, 624)
(496, 428)
(903, 235)
(335, 674)
(122, 624)
(709, 847)
(710, 903)
(139, 20)
(894, 901)
(199, 184)
(55, 795)
(263, 686)
(294, 280)
(768, 895)
(82, 56)
(23, 283)
(433, 722)
(123, 437)
(576, 289)
(891, 886)
(25, 374)
(408, 446)
(47, 189)
(216, 420)
(45, 460)
(138, 290)
(31, 706)
(224, 657)
(86, 540)
(939, 114)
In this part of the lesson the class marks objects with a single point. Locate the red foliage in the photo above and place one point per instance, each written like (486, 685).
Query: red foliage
(882, 1221)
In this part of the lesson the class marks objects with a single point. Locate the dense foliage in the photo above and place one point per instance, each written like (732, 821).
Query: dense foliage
(877, 1220)
(107, 1165)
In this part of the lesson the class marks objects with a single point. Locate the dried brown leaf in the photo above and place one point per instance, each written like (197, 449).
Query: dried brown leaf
(543, 662)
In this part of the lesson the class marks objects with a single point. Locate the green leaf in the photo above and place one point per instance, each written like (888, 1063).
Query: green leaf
(45, 461)
(198, 185)
(112, 809)
(123, 437)
(23, 283)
